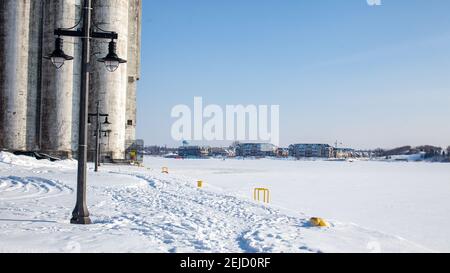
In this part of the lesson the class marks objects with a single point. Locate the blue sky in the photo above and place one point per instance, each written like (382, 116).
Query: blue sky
(340, 70)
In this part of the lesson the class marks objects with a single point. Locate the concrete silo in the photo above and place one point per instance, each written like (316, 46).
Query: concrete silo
(19, 73)
(60, 87)
(39, 105)
(134, 65)
(110, 88)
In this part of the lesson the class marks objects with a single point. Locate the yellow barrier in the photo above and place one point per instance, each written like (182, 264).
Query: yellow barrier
(200, 184)
(257, 194)
(318, 222)
(165, 170)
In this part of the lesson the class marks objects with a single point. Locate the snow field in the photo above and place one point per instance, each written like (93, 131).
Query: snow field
(141, 210)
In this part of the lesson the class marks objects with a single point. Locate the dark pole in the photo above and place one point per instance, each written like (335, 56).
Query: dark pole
(97, 136)
(80, 214)
(99, 146)
(100, 149)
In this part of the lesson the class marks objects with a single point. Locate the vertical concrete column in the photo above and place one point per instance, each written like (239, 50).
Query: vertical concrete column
(60, 88)
(111, 88)
(134, 64)
(14, 58)
(35, 61)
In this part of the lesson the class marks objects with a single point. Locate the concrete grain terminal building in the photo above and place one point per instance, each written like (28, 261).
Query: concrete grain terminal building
(39, 105)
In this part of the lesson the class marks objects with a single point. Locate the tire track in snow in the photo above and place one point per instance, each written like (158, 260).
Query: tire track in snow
(15, 188)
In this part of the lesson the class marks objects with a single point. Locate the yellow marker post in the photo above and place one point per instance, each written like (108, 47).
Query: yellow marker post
(318, 222)
(257, 195)
(200, 184)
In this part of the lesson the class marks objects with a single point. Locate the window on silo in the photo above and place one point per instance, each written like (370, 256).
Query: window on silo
(130, 122)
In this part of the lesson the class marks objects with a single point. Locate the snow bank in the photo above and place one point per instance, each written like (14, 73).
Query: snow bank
(30, 162)
(5, 158)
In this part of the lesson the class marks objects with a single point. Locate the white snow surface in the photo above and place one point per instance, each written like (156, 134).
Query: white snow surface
(372, 207)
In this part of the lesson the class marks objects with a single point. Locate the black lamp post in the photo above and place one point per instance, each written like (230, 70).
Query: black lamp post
(98, 132)
(80, 214)
(105, 133)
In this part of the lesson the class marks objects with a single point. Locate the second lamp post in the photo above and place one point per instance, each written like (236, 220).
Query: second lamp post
(98, 132)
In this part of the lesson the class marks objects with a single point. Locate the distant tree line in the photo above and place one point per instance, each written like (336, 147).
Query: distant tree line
(429, 151)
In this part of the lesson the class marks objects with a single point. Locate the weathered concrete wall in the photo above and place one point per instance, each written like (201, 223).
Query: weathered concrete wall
(134, 66)
(60, 88)
(14, 73)
(34, 74)
(39, 105)
(111, 88)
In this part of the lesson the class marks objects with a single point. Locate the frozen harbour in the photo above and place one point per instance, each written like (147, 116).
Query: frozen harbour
(372, 207)
(411, 200)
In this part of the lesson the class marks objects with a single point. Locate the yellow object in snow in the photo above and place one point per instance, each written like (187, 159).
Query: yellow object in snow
(200, 184)
(318, 222)
(165, 170)
(257, 195)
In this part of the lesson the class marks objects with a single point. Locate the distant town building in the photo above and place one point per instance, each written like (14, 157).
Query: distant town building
(345, 153)
(363, 154)
(193, 152)
(219, 152)
(255, 149)
(282, 152)
(311, 150)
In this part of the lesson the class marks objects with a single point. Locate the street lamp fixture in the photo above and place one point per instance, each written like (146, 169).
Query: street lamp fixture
(112, 61)
(84, 31)
(107, 122)
(58, 57)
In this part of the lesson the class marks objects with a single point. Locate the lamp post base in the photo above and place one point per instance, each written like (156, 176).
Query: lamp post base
(80, 221)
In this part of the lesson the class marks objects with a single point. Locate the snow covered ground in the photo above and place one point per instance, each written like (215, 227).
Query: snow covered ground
(369, 204)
